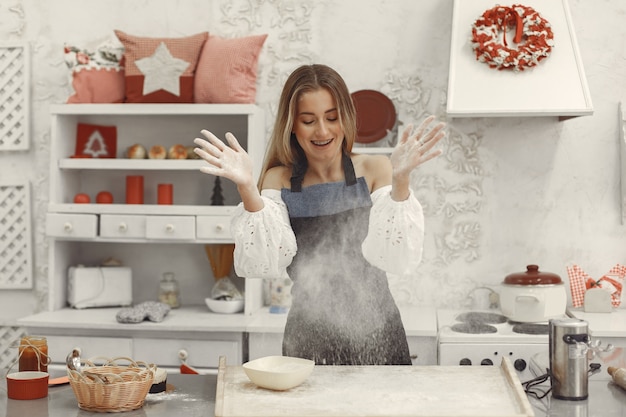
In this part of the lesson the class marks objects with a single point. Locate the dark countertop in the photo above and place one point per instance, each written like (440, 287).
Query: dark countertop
(187, 395)
(605, 400)
(194, 396)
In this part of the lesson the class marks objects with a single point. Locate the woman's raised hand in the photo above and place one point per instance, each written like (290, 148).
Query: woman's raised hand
(415, 148)
(231, 162)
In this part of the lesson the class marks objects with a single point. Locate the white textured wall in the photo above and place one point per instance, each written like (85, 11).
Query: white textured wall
(507, 192)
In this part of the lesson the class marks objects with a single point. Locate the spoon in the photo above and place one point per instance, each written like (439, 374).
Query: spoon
(73, 363)
(73, 360)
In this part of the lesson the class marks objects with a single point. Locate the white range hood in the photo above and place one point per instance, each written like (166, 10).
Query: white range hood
(557, 86)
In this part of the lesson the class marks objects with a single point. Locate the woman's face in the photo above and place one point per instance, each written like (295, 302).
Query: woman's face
(317, 125)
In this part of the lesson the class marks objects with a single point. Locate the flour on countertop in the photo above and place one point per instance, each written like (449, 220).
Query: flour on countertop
(390, 391)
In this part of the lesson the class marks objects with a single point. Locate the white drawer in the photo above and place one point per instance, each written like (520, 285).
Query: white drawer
(213, 227)
(71, 225)
(171, 227)
(90, 347)
(122, 226)
(201, 353)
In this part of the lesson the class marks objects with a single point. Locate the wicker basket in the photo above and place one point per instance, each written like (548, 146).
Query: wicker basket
(112, 387)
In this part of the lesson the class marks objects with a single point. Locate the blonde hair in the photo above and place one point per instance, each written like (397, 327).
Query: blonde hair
(282, 149)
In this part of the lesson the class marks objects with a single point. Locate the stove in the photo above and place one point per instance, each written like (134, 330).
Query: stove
(484, 337)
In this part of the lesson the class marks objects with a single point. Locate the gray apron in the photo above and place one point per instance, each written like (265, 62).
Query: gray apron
(342, 311)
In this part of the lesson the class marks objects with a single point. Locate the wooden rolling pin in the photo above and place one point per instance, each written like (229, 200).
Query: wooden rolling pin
(618, 375)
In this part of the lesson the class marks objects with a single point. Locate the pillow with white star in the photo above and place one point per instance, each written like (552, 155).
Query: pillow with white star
(227, 70)
(96, 75)
(160, 70)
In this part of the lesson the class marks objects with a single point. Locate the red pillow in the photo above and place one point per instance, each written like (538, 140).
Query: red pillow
(96, 74)
(160, 70)
(227, 70)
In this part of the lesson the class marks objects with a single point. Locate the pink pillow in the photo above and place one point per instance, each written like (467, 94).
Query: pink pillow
(227, 70)
(96, 73)
(160, 70)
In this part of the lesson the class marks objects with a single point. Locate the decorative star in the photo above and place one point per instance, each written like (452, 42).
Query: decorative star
(162, 71)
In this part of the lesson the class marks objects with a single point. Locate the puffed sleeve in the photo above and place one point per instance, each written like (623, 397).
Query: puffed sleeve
(395, 238)
(264, 240)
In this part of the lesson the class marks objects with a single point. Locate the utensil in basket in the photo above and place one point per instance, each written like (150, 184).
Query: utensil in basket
(73, 363)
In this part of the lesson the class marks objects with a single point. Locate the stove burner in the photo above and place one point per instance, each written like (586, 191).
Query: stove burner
(473, 328)
(477, 317)
(531, 328)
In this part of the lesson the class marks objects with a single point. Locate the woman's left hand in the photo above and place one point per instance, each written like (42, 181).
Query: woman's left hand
(415, 148)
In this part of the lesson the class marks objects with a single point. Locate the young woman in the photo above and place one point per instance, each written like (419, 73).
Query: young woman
(334, 221)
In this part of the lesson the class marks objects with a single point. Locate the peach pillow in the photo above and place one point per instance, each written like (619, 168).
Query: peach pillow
(177, 56)
(96, 73)
(97, 86)
(227, 70)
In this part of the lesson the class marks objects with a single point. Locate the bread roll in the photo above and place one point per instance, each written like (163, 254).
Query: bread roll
(191, 154)
(177, 152)
(136, 151)
(157, 152)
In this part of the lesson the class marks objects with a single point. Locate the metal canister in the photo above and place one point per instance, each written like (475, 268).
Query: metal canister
(569, 343)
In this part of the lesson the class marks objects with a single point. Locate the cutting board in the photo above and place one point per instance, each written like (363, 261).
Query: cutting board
(372, 391)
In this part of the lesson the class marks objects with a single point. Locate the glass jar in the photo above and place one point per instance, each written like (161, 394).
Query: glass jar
(280, 295)
(33, 354)
(169, 292)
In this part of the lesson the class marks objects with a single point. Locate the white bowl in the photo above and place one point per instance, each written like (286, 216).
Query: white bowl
(224, 306)
(278, 372)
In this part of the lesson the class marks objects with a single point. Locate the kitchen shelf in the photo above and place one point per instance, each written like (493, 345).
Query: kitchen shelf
(191, 219)
(203, 335)
(131, 164)
(134, 109)
(149, 238)
(148, 209)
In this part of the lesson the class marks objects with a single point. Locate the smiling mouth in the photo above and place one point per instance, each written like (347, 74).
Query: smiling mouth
(321, 142)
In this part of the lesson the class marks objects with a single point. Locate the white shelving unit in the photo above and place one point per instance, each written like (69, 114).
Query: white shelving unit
(149, 238)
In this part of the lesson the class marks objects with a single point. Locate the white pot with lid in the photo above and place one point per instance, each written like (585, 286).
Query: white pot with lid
(532, 296)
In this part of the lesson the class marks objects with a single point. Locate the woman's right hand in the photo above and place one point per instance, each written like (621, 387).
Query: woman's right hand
(232, 162)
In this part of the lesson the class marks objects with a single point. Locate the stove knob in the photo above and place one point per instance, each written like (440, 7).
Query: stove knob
(486, 362)
(519, 364)
(465, 361)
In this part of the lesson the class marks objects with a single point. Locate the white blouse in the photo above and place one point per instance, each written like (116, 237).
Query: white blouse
(265, 243)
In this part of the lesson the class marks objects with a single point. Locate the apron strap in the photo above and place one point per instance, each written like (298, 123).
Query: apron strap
(348, 169)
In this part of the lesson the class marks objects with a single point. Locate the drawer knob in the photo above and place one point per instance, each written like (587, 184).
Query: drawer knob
(169, 228)
(219, 228)
(68, 227)
(123, 227)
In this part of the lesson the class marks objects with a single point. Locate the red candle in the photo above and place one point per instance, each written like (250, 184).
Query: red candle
(134, 189)
(165, 193)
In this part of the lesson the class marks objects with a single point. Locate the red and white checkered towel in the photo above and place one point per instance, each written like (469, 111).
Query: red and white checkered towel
(580, 282)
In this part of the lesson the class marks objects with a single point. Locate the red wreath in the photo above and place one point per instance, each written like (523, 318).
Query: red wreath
(533, 38)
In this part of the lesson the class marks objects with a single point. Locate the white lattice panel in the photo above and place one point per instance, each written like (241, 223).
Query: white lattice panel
(15, 237)
(14, 96)
(9, 340)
